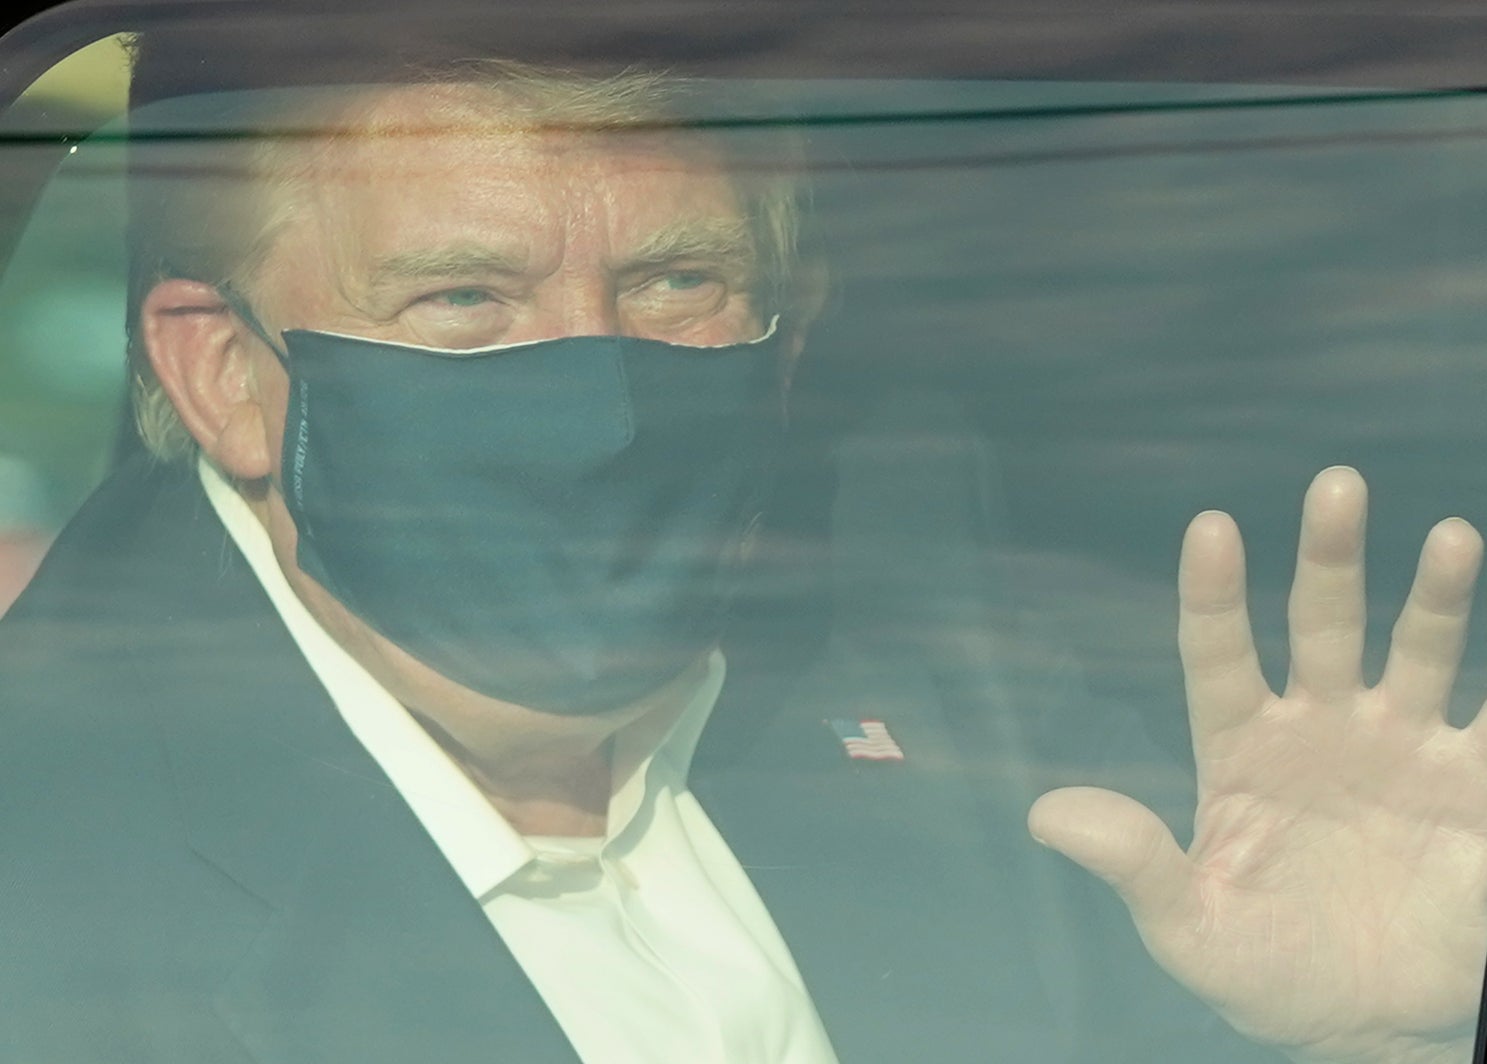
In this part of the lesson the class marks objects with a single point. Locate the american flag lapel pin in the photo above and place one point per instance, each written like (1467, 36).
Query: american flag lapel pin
(866, 740)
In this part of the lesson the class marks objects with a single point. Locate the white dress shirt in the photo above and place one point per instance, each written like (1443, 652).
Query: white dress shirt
(648, 945)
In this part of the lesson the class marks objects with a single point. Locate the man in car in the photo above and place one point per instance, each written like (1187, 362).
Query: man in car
(358, 723)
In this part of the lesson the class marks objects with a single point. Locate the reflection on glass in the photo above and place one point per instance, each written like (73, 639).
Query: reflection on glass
(1061, 319)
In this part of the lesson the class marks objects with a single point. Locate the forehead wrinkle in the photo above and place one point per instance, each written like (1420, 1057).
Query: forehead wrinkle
(573, 169)
(362, 162)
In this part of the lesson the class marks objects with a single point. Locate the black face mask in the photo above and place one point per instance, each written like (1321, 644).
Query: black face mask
(558, 524)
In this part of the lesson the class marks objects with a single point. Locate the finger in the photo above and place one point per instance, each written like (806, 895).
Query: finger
(1327, 610)
(1125, 844)
(1219, 663)
(1431, 631)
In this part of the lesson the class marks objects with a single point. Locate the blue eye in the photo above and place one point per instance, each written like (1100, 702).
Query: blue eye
(686, 279)
(465, 297)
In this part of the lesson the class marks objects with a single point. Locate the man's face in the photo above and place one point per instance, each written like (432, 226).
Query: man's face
(466, 241)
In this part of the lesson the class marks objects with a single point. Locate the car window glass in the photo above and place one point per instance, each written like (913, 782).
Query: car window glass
(1058, 318)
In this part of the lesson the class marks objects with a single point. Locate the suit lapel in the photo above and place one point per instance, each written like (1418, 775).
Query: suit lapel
(371, 949)
(377, 954)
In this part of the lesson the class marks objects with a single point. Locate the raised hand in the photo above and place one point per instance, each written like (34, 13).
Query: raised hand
(1334, 899)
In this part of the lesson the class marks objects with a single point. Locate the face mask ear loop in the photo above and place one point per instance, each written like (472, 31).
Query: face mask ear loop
(239, 306)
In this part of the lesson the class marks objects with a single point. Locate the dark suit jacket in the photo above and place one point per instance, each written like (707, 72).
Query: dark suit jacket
(198, 863)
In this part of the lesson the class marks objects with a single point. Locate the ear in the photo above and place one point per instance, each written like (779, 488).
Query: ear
(205, 367)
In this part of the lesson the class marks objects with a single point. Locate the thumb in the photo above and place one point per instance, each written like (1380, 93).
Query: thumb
(1121, 841)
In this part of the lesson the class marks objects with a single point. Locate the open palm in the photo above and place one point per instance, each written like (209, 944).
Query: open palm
(1334, 899)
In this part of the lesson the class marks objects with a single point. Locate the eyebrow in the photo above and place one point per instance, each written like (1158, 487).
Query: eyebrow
(721, 240)
(726, 241)
(444, 263)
